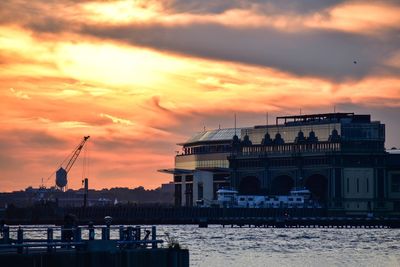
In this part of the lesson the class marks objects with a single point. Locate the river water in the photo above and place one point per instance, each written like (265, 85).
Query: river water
(217, 246)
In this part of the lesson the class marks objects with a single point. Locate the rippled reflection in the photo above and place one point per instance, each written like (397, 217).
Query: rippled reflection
(218, 246)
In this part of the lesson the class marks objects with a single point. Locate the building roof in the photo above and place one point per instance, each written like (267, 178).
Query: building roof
(323, 118)
(214, 135)
(176, 171)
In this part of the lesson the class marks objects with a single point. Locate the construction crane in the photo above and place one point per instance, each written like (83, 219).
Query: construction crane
(61, 174)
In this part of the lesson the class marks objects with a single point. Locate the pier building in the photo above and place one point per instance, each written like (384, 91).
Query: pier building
(203, 166)
(340, 157)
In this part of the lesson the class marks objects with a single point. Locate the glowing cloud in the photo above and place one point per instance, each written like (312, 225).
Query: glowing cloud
(141, 76)
(116, 120)
(19, 94)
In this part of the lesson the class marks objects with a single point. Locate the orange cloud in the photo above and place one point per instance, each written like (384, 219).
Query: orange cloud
(359, 17)
(140, 84)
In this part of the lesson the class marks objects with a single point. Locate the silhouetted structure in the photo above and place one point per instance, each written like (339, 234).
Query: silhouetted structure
(339, 157)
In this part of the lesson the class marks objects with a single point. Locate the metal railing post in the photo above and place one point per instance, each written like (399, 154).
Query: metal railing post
(129, 238)
(62, 233)
(77, 236)
(137, 237)
(6, 234)
(108, 232)
(153, 237)
(91, 232)
(121, 232)
(129, 234)
(20, 239)
(49, 239)
(103, 233)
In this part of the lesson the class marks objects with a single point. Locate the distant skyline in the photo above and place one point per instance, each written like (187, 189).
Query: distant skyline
(141, 76)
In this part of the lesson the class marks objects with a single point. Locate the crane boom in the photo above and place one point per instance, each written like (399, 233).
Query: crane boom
(76, 154)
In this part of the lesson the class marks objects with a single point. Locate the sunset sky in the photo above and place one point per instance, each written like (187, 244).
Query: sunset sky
(141, 76)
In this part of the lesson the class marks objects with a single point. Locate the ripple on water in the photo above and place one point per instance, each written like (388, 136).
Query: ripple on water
(217, 246)
(288, 247)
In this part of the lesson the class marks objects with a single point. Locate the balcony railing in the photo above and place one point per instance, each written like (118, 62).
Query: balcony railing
(290, 148)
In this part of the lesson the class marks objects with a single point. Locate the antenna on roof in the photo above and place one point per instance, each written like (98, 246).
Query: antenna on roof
(277, 124)
(266, 118)
(334, 118)
(235, 123)
(329, 129)
(219, 126)
(300, 119)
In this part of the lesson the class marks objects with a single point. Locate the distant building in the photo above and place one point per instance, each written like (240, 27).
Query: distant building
(168, 191)
(203, 166)
(168, 188)
(74, 198)
(339, 157)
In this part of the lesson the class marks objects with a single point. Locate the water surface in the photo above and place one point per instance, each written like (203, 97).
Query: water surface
(218, 246)
(237, 247)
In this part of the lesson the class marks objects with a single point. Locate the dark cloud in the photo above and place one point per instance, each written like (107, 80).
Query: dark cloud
(201, 7)
(323, 53)
(48, 25)
(10, 139)
(262, 6)
(9, 162)
(22, 150)
(158, 145)
(313, 52)
(156, 102)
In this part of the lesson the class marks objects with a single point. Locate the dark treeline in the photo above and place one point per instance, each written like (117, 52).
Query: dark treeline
(74, 198)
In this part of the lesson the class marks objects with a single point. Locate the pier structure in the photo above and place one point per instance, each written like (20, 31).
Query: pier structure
(204, 216)
(340, 157)
(99, 246)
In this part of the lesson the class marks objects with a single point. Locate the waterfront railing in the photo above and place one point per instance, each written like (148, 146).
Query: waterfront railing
(290, 148)
(52, 238)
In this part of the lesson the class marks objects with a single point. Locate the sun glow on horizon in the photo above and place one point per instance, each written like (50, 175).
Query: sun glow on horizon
(121, 11)
(141, 76)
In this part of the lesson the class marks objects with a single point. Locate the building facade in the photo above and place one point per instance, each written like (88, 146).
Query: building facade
(339, 157)
(202, 167)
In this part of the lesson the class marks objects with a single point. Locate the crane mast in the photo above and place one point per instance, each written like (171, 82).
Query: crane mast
(61, 174)
(76, 154)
